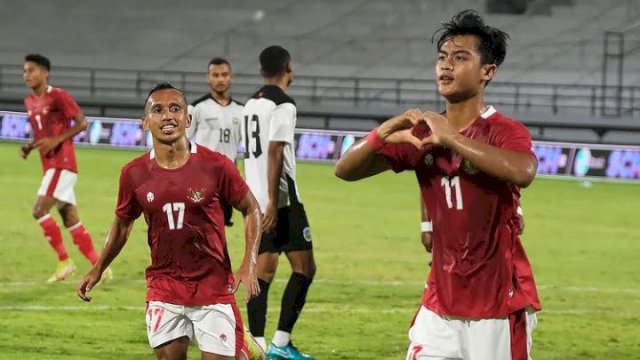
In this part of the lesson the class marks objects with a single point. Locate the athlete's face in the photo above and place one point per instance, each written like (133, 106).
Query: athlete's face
(33, 74)
(459, 72)
(166, 116)
(219, 78)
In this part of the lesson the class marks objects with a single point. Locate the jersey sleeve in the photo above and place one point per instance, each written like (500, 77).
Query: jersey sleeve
(401, 156)
(283, 123)
(67, 104)
(128, 206)
(514, 136)
(232, 187)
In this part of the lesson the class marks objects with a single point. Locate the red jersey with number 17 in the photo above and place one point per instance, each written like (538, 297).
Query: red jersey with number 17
(50, 114)
(479, 267)
(189, 260)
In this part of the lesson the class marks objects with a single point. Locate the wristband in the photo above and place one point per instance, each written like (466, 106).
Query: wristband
(426, 226)
(374, 140)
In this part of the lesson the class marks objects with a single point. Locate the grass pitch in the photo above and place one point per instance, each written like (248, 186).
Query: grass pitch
(584, 244)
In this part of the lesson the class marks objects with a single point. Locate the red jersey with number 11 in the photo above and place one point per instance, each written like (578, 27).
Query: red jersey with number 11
(479, 267)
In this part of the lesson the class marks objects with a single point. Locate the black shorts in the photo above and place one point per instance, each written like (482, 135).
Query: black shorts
(292, 231)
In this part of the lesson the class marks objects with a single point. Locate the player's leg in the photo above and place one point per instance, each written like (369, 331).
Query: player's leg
(299, 251)
(50, 228)
(434, 337)
(65, 194)
(266, 267)
(175, 349)
(218, 330)
(506, 338)
(79, 233)
(169, 331)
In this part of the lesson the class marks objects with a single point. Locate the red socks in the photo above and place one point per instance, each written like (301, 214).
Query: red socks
(82, 238)
(53, 234)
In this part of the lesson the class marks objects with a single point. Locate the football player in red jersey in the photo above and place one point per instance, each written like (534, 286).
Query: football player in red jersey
(55, 119)
(470, 162)
(180, 187)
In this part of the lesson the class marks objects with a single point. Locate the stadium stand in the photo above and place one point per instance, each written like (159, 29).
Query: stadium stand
(362, 57)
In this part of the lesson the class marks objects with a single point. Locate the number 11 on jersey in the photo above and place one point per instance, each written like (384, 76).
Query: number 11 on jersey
(448, 183)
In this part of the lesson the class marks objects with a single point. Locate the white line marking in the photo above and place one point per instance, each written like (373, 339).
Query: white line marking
(310, 309)
(372, 283)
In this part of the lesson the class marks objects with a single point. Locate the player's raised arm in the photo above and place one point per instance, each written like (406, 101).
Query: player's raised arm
(362, 160)
(516, 167)
(252, 233)
(117, 237)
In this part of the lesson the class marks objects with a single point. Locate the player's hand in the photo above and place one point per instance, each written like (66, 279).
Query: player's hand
(270, 218)
(24, 150)
(47, 144)
(441, 130)
(399, 128)
(427, 241)
(247, 275)
(87, 283)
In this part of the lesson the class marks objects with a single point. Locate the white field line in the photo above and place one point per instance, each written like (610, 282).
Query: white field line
(308, 309)
(11, 285)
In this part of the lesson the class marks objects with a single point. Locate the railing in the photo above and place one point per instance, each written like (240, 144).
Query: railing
(591, 100)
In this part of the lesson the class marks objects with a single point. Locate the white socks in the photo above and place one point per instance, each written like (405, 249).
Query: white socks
(281, 338)
(261, 341)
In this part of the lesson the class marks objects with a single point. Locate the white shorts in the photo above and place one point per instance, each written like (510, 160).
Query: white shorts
(435, 337)
(59, 184)
(217, 328)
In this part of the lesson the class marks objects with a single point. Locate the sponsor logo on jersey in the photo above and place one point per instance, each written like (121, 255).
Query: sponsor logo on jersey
(150, 196)
(45, 110)
(196, 195)
(469, 168)
(306, 233)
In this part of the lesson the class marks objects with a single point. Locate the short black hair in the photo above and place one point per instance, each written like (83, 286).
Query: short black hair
(219, 61)
(492, 43)
(163, 86)
(274, 60)
(39, 59)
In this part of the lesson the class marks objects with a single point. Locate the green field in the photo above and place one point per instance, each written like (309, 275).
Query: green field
(584, 244)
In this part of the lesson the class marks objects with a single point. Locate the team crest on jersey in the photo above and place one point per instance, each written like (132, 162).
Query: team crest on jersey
(469, 168)
(150, 196)
(196, 195)
(223, 338)
(428, 159)
(235, 120)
